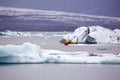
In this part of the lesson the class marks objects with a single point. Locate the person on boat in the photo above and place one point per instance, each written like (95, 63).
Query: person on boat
(88, 30)
(66, 42)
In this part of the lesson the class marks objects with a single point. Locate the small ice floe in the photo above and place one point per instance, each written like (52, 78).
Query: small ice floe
(14, 33)
(56, 56)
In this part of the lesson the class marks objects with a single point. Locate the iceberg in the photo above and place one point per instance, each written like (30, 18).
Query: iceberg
(93, 34)
(26, 53)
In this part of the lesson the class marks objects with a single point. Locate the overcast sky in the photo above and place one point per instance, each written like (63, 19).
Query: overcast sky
(94, 7)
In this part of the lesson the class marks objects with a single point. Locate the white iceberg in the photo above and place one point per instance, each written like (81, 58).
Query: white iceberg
(94, 34)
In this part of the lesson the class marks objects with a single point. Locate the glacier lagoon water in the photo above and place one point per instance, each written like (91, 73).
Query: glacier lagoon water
(59, 72)
(50, 71)
(44, 47)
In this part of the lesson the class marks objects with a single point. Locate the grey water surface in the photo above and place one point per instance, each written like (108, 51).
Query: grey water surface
(59, 72)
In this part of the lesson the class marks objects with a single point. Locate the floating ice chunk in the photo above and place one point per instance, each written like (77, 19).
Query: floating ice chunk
(26, 53)
(31, 53)
(94, 34)
(14, 33)
(56, 56)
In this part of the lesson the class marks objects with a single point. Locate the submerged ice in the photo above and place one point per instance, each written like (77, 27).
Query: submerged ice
(31, 53)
